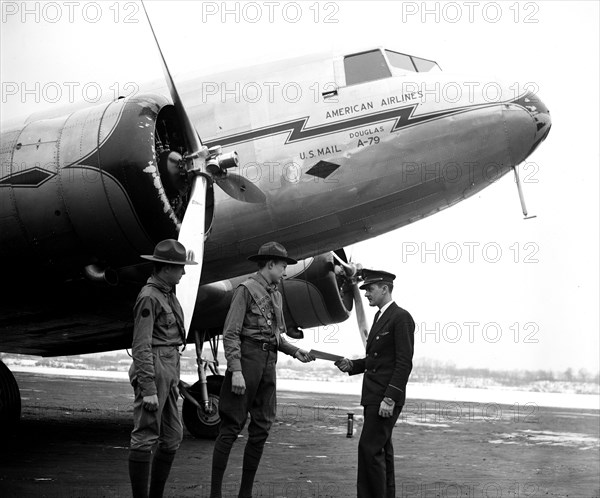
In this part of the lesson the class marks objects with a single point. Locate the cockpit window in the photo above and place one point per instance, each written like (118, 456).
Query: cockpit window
(400, 60)
(410, 63)
(367, 66)
(424, 65)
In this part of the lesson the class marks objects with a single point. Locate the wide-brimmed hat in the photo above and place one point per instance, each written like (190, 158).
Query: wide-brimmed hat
(170, 251)
(376, 277)
(272, 250)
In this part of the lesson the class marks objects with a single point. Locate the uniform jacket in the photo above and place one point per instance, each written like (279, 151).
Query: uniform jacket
(388, 360)
(247, 318)
(158, 321)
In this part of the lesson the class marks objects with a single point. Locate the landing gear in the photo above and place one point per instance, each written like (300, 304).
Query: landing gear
(200, 422)
(10, 399)
(201, 401)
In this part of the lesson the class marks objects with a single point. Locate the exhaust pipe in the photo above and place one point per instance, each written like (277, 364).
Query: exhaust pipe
(100, 274)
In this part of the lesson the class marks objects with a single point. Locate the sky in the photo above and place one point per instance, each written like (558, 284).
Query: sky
(485, 287)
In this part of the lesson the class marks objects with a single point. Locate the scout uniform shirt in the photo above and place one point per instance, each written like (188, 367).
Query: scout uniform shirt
(158, 321)
(259, 319)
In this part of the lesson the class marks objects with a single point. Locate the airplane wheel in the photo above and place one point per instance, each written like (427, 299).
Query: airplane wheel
(10, 399)
(200, 424)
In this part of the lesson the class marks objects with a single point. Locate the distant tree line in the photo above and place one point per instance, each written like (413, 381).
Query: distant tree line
(424, 370)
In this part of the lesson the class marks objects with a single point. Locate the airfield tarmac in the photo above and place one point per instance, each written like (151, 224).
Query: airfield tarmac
(74, 433)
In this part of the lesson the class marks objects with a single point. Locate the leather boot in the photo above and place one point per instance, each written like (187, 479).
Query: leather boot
(219, 464)
(161, 467)
(139, 470)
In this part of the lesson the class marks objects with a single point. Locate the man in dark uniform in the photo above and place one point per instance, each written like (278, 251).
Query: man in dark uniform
(158, 331)
(251, 338)
(387, 366)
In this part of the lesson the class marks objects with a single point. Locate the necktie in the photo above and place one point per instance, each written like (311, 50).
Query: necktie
(176, 307)
(376, 317)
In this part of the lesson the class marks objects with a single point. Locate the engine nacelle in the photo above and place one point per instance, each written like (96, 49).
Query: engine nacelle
(314, 294)
(97, 186)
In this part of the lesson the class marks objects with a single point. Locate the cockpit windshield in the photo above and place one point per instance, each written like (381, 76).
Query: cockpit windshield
(372, 65)
(366, 66)
(410, 62)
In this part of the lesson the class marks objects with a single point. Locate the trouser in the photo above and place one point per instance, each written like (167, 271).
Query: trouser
(258, 369)
(162, 426)
(376, 455)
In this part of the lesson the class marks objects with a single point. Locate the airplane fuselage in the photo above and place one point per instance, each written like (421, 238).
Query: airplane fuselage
(343, 168)
(339, 163)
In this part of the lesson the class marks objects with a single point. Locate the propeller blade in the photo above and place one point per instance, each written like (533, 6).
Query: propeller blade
(240, 188)
(234, 185)
(191, 235)
(361, 318)
(351, 270)
(193, 142)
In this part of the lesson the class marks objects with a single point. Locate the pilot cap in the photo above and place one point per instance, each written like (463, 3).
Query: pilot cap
(376, 277)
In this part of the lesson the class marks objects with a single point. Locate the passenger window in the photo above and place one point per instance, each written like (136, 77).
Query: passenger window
(367, 66)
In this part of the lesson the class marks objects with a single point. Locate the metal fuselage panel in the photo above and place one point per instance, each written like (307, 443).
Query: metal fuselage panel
(395, 157)
(335, 170)
(84, 188)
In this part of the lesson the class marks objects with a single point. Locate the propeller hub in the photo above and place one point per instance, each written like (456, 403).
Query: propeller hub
(218, 163)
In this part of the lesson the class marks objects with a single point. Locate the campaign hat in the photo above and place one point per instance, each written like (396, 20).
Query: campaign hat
(376, 277)
(272, 250)
(170, 251)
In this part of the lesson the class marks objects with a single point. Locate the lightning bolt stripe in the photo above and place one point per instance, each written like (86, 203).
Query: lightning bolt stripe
(297, 130)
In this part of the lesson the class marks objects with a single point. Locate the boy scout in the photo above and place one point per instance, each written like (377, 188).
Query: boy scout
(386, 369)
(251, 338)
(158, 332)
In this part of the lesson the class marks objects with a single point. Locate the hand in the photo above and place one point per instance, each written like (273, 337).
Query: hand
(238, 384)
(385, 410)
(150, 403)
(304, 356)
(345, 365)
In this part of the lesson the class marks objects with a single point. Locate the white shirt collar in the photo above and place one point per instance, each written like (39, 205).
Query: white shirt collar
(383, 308)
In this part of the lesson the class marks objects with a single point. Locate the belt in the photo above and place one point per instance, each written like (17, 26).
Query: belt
(265, 346)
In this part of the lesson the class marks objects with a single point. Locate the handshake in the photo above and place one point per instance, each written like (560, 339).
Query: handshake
(345, 365)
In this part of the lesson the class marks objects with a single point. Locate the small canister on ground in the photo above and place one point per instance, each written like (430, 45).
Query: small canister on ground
(350, 424)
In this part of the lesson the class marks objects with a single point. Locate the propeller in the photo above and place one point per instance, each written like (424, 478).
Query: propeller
(353, 272)
(191, 233)
(234, 185)
(215, 165)
(202, 165)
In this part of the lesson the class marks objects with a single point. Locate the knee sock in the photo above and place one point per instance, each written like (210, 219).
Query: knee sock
(139, 469)
(161, 467)
(252, 457)
(219, 464)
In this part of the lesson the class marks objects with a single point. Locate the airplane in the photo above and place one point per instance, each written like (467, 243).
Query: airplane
(317, 153)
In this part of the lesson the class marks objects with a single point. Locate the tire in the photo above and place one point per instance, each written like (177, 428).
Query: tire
(10, 399)
(198, 423)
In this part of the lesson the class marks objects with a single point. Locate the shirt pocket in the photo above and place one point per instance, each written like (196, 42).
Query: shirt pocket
(384, 340)
(257, 316)
(166, 318)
